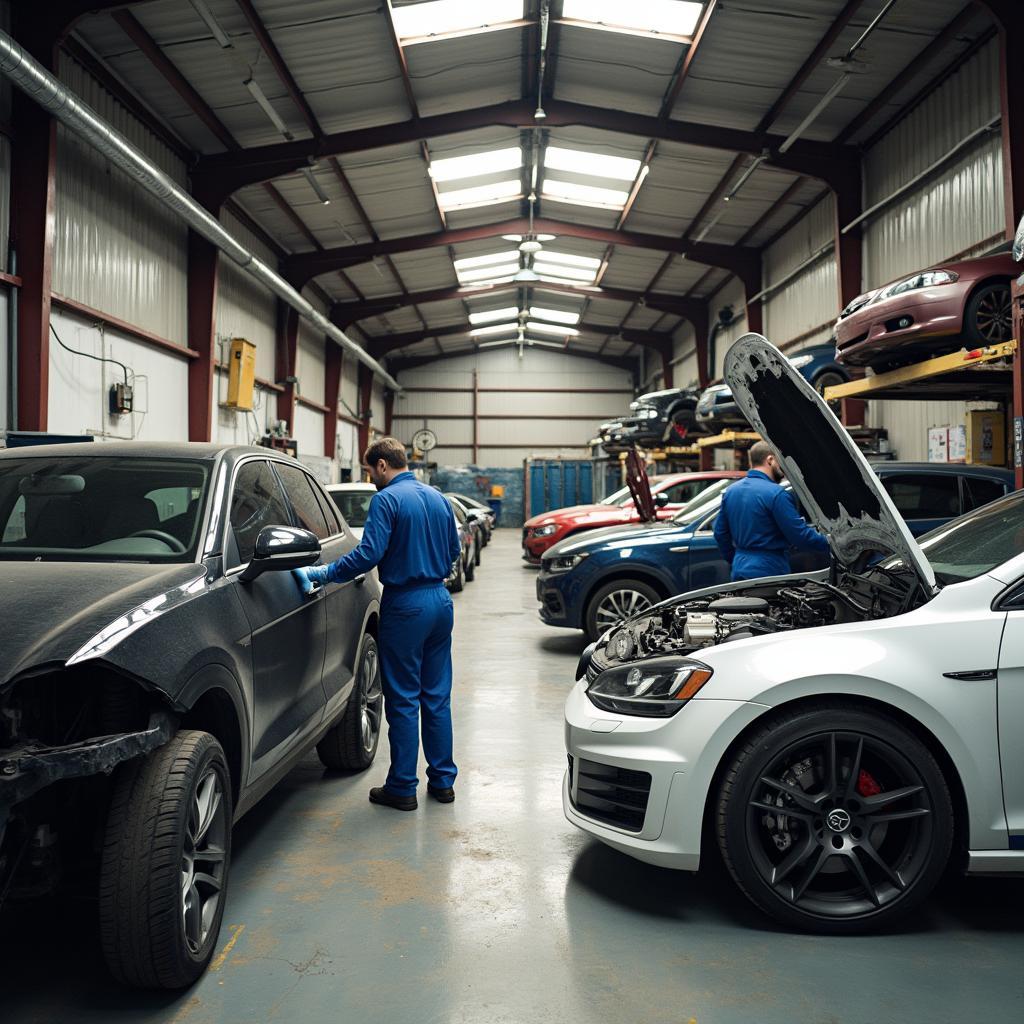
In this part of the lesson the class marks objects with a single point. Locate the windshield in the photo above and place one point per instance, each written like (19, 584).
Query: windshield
(101, 509)
(975, 543)
(353, 505)
(620, 497)
(703, 503)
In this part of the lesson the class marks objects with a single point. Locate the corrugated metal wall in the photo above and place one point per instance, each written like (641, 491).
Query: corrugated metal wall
(507, 440)
(952, 213)
(808, 302)
(733, 295)
(116, 248)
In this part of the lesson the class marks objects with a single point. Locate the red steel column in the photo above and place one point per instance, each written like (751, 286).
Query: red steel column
(202, 307)
(365, 407)
(389, 412)
(332, 389)
(285, 357)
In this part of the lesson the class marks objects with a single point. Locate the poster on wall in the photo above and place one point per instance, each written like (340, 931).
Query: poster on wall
(938, 444)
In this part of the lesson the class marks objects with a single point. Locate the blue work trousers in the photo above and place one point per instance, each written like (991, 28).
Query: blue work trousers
(416, 672)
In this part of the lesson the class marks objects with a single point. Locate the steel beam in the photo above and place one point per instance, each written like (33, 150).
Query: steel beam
(303, 267)
(396, 366)
(226, 173)
(202, 274)
(285, 356)
(333, 360)
(365, 409)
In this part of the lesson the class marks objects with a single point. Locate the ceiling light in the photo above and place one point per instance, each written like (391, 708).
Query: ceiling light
(559, 316)
(569, 259)
(595, 164)
(206, 14)
(453, 168)
(561, 275)
(530, 246)
(498, 344)
(584, 195)
(261, 98)
(660, 17)
(487, 274)
(519, 238)
(480, 195)
(482, 332)
(526, 276)
(440, 17)
(487, 316)
(468, 262)
(539, 114)
(551, 329)
(316, 187)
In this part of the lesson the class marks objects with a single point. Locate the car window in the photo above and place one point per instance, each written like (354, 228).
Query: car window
(979, 491)
(257, 501)
(924, 495)
(14, 529)
(681, 493)
(300, 493)
(459, 514)
(619, 497)
(353, 505)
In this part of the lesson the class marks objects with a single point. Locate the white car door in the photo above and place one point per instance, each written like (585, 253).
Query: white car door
(1011, 718)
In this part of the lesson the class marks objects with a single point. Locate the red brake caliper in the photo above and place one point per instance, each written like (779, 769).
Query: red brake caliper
(866, 784)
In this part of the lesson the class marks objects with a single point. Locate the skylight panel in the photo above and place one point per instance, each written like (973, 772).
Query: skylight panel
(568, 259)
(480, 195)
(489, 275)
(456, 167)
(558, 316)
(584, 195)
(596, 164)
(419, 22)
(659, 17)
(483, 332)
(557, 274)
(469, 262)
(488, 316)
(551, 329)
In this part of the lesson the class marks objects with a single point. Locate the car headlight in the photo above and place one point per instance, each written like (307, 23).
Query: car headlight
(927, 279)
(545, 531)
(797, 361)
(564, 563)
(656, 688)
(1018, 242)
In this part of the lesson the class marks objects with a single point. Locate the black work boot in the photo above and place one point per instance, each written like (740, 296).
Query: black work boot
(442, 796)
(384, 796)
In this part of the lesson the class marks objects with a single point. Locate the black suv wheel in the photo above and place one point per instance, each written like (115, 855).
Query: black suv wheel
(351, 744)
(834, 819)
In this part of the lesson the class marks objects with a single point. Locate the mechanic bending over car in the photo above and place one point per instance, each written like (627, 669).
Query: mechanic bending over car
(759, 521)
(410, 534)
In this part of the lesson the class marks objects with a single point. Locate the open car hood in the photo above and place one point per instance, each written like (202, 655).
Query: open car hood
(828, 472)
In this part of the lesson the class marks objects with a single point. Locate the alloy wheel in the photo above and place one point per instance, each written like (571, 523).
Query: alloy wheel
(839, 824)
(619, 605)
(371, 700)
(203, 859)
(994, 316)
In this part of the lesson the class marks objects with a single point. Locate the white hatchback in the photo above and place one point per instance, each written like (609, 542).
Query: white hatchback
(842, 735)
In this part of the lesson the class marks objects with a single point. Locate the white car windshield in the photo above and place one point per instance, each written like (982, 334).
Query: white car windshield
(702, 503)
(975, 543)
(620, 497)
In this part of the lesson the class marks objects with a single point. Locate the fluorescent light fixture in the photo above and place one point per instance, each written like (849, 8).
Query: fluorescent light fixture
(482, 332)
(559, 274)
(488, 281)
(483, 275)
(551, 329)
(661, 17)
(261, 98)
(453, 168)
(558, 316)
(488, 316)
(519, 238)
(568, 259)
(584, 195)
(441, 17)
(469, 262)
(498, 344)
(316, 187)
(596, 164)
(480, 195)
(206, 14)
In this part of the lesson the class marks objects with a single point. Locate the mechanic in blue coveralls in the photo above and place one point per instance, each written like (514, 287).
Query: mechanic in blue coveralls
(759, 521)
(410, 534)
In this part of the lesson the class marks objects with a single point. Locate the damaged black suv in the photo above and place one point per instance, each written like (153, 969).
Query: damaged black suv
(160, 671)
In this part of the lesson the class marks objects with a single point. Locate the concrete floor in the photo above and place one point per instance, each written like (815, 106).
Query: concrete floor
(496, 910)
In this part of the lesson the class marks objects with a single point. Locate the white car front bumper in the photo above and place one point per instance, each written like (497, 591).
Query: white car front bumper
(641, 784)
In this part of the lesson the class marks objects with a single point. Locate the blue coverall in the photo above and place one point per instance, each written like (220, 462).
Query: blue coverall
(411, 536)
(758, 524)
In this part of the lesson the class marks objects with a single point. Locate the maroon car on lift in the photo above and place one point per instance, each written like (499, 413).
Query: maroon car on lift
(928, 313)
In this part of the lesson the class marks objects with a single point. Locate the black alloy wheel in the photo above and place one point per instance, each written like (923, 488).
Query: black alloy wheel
(988, 318)
(829, 379)
(835, 820)
(351, 744)
(616, 601)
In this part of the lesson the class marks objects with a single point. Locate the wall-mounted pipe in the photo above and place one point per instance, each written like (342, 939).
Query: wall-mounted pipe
(55, 98)
(12, 342)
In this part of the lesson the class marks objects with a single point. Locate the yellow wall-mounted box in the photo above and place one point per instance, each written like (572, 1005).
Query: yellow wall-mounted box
(241, 374)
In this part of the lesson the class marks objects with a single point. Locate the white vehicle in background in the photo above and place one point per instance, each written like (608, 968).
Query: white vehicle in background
(353, 502)
(842, 735)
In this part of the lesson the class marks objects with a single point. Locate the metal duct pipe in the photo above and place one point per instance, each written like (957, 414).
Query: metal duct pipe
(53, 96)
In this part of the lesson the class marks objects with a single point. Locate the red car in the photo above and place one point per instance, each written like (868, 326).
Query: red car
(541, 532)
(928, 313)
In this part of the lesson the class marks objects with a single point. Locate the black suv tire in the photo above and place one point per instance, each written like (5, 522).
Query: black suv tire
(350, 745)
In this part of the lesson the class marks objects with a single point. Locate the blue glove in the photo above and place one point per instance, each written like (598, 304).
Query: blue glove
(309, 576)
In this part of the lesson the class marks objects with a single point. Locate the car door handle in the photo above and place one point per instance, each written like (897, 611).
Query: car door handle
(685, 547)
(977, 674)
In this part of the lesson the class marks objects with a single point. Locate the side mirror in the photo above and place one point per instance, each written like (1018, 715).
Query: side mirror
(661, 500)
(281, 547)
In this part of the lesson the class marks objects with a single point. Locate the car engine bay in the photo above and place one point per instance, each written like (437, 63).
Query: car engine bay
(683, 627)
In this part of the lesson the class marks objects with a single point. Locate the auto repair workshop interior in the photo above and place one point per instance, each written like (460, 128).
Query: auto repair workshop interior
(698, 323)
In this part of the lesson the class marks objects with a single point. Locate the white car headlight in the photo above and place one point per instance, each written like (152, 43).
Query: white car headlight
(656, 688)
(545, 531)
(797, 361)
(926, 279)
(564, 563)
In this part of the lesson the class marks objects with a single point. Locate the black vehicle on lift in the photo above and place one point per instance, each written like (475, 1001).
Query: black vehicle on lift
(161, 670)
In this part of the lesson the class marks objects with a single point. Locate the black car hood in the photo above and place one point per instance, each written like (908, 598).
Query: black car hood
(828, 472)
(52, 609)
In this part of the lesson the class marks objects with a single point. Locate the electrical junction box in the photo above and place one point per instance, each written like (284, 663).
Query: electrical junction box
(986, 437)
(122, 398)
(241, 375)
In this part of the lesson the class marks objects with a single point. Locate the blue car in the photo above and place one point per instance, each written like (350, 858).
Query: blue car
(593, 581)
(716, 409)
